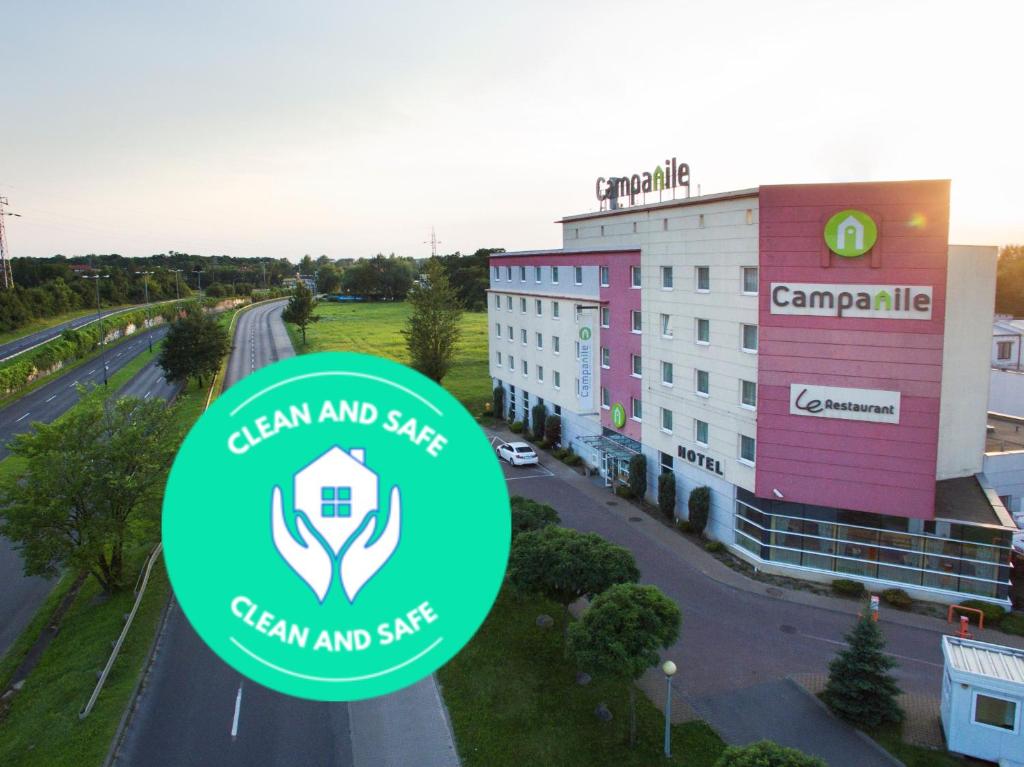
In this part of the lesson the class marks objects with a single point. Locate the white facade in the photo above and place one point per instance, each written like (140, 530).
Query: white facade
(982, 705)
(1006, 392)
(1008, 343)
(707, 244)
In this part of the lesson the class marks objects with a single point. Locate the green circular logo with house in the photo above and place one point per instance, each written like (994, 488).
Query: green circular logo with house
(618, 415)
(585, 334)
(336, 526)
(850, 233)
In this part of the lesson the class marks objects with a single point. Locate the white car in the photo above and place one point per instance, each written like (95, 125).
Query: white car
(517, 453)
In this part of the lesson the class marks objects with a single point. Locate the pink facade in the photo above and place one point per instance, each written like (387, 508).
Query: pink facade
(875, 467)
(621, 299)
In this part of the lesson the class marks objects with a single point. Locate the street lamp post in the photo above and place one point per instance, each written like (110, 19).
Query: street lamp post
(149, 317)
(669, 669)
(103, 335)
(177, 288)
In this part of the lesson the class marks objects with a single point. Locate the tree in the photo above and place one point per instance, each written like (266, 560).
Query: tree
(194, 347)
(300, 308)
(553, 429)
(528, 515)
(765, 753)
(498, 396)
(667, 494)
(432, 329)
(79, 508)
(1010, 281)
(564, 565)
(860, 689)
(621, 633)
(638, 476)
(538, 418)
(700, 507)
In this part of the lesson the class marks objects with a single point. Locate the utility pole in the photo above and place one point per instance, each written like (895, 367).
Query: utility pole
(103, 335)
(149, 316)
(433, 242)
(199, 276)
(5, 255)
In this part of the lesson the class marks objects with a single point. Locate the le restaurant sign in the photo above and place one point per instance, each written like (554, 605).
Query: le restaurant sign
(873, 405)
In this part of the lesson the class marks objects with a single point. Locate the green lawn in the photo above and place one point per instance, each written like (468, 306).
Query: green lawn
(514, 701)
(375, 328)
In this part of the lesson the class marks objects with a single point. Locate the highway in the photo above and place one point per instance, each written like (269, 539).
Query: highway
(19, 345)
(194, 709)
(21, 596)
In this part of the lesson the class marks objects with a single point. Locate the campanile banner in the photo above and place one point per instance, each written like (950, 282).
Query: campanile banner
(585, 364)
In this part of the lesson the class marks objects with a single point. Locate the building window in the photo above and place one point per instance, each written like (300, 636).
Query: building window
(497, 301)
(703, 385)
(995, 712)
(578, 274)
(701, 434)
(703, 279)
(536, 274)
(511, 335)
(497, 273)
(579, 311)
(336, 501)
(522, 274)
(604, 276)
(666, 326)
(554, 275)
(499, 359)
(602, 230)
(666, 463)
(638, 368)
(748, 394)
(748, 448)
(666, 420)
(526, 371)
(606, 317)
(666, 277)
(664, 224)
(497, 329)
(540, 373)
(577, 350)
(522, 335)
(558, 409)
(558, 380)
(637, 321)
(576, 233)
(512, 367)
(554, 309)
(750, 216)
(508, 302)
(522, 306)
(1004, 349)
(700, 220)
(750, 280)
(636, 409)
(605, 357)
(555, 345)
(634, 227)
(606, 400)
(508, 273)
(539, 307)
(634, 276)
(703, 331)
(540, 341)
(666, 373)
(750, 338)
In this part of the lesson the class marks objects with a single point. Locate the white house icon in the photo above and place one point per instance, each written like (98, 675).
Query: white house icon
(336, 492)
(850, 226)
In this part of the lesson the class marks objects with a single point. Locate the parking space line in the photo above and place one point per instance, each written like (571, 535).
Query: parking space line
(548, 473)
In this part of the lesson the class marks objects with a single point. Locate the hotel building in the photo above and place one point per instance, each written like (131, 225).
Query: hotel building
(816, 355)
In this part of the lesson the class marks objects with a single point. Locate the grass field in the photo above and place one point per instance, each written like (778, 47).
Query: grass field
(514, 700)
(376, 329)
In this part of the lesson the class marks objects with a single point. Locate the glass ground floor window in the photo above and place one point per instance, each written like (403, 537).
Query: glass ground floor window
(953, 556)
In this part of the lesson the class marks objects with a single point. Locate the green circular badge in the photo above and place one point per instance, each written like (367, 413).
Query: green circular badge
(850, 233)
(584, 334)
(618, 415)
(336, 526)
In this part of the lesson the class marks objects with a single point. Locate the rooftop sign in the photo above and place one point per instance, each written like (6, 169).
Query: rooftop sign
(673, 175)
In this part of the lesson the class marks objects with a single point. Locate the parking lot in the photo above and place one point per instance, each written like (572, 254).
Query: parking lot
(514, 473)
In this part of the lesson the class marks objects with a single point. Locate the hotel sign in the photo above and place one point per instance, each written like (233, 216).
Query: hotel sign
(704, 461)
(674, 174)
(585, 367)
(889, 302)
(874, 405)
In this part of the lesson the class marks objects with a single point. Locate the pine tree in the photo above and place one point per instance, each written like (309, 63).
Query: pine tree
(859, 688)
(432, 329)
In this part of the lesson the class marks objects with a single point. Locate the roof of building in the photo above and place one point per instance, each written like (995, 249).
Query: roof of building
(1005, 433)
(963, 499)
(990, 660)
(565, 252)
(701, 200)
(1007, 327)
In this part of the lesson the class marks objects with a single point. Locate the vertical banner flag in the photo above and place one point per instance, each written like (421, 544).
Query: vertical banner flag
(585, 394)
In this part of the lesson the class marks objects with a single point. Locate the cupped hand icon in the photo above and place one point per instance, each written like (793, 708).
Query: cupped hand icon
(308, 558)
(360, 562)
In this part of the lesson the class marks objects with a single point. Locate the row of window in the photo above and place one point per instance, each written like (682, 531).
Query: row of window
(746, 447)
(524, 366)
(749, 218)
(701, 277)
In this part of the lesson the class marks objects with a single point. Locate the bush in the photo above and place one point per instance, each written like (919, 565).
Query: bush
(543, 444)
(993, 613)
(623, 491)
(516, 427)
(766, 754)
(571, 459)
(499, 402)
(540, 416)
(1013, 624)
(560, 453)
(526, 421)
(684, 525)
(529, 515)
(713, 547)
(553, 429)
(638, 476)
(667, 494)
(897, 598)
(700, 506)
(847, 588)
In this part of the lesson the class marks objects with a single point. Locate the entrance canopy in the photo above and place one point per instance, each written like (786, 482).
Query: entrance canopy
(612, 445)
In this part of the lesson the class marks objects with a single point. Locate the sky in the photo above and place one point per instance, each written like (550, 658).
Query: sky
(269, 129)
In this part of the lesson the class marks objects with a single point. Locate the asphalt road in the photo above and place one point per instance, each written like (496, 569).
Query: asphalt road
(21, 596)
(34, 339)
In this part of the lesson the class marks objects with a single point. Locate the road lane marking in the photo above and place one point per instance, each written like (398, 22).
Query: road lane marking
(532, 476)
(147, 394)
(91, 372)
(22, 418)
(52, 398)
(238, 709)
(892, 654)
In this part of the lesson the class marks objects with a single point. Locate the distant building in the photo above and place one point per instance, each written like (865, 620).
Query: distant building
(1006, 342)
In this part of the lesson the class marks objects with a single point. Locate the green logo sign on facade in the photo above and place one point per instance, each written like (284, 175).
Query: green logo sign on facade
(850, 233)
(336, 526)
(618, 415)
(585, 334)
